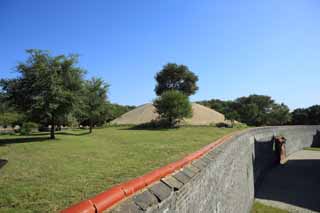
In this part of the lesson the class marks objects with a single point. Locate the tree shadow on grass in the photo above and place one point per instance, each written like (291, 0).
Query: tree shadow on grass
(3, 162)
(7, 141)
(138, 127)
(72, 134)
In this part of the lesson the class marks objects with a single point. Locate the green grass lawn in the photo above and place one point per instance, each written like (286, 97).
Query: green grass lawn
(45, 176)
(261, 208)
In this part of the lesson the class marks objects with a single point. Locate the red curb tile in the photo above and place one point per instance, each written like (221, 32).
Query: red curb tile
(133, 186)
(108, 198)
(82, 207)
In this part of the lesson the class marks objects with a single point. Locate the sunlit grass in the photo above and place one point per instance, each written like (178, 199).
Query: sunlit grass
(261, 208)
(45, 176)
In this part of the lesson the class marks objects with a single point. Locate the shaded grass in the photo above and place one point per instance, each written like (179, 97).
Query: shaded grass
(45, 176)
(312, 148)
(261, 208)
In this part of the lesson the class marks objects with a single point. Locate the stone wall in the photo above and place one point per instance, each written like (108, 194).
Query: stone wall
(224, 179)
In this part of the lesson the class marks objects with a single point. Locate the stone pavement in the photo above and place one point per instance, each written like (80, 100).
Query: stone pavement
(294, 186)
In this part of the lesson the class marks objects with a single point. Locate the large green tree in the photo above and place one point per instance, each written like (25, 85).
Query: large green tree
(176, 77)
(254, 110)
(300, 116)
(314, 115)
(259, 110)
(95, 101)
(279, 115)
(306, 116)
(173, 106)
(46, 88)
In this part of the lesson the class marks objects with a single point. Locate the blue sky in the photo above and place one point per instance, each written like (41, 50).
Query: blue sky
(236, 47)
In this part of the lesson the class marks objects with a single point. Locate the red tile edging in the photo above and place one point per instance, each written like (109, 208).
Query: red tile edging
(111, 196)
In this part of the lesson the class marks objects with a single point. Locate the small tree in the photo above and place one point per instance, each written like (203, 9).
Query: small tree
(232, 116)
(176, 77)
(173, 106)
(95, 97)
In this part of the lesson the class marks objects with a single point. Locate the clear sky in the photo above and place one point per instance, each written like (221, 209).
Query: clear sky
(236, 47)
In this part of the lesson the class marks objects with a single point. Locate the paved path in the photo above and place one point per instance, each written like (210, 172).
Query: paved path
(294, 186)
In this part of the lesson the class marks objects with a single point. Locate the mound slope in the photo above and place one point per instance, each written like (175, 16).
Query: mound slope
(145, 113)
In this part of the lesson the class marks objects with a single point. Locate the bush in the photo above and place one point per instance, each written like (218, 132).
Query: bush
(173, 106)
(28, 127)
(223, 125)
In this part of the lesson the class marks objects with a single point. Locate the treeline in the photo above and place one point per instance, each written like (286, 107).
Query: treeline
(11, 117)
(52, 91)
(306, 116)
(261, 110)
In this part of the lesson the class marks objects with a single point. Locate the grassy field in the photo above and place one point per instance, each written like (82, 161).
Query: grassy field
(261, 208)
(45, 176)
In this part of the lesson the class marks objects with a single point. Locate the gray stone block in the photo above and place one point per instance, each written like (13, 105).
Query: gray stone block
(206, 159)
(193, 168)
(172, 182)
(199, 164)
(161, 190)
(189, 172)
(127, 206)
(182, 177)
(145, 199)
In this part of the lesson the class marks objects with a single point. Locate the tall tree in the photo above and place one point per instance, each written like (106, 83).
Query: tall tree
(176, 77)
(46, 88)
(95, 97)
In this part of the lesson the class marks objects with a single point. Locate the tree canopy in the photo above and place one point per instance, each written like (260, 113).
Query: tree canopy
(173, 106)
(176, 77)
(47, 86)
(95, 100)
(254, 110)
(306, 116)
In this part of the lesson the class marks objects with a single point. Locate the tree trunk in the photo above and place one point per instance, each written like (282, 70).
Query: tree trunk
(171, 123)
(52, 135)
(90, 128)
(232, 123)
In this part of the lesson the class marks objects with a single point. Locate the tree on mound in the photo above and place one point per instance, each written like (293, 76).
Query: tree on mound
(176, 77)
(173, 106)
(47, 87)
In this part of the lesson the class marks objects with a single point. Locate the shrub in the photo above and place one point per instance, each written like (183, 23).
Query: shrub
(28, 127)
(222, 125)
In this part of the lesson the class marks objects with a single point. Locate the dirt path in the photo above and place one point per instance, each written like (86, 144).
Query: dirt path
(294, 186)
